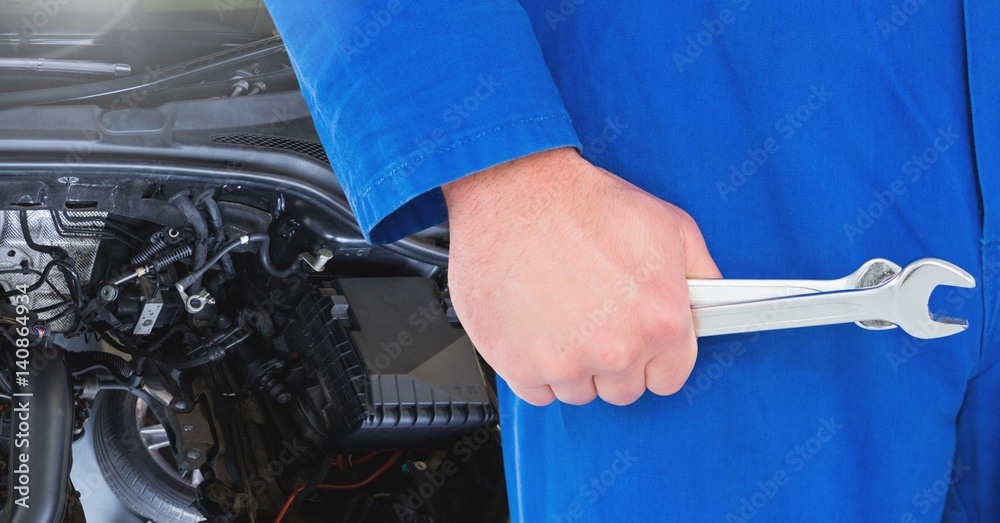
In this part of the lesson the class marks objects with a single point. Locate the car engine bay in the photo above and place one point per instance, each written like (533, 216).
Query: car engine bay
(253, 363)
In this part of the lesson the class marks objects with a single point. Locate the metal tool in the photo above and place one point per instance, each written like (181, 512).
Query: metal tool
(865, 296)
(719, 291)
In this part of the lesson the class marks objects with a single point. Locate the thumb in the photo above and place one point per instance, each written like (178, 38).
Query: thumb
(698, 263)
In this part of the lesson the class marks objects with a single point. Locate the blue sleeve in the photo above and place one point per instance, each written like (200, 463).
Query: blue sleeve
(408, 96)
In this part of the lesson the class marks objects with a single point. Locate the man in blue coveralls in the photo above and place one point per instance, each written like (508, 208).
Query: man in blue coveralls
(803, 139)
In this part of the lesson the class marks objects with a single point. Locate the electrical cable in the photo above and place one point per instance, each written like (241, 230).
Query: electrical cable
(59, 256)
(264, 256)
(378, 472)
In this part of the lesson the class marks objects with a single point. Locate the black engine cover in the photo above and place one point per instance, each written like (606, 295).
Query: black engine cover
(387, 368)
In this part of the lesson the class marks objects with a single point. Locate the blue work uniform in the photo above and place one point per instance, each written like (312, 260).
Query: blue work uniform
(804, 139)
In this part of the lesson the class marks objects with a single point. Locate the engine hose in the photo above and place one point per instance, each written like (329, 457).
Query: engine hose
(260, 321)
(214, 351)
(156, 244)
(265, 258)
(40, 447)
(86, 361)
(183, 203)
(60, 257)
(264, 255)
(72, 281)
(215, 221)
(52, 250)
(34, 286)
(172, 256)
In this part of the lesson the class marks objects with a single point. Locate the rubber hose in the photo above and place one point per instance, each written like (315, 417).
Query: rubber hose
(43, 416)
(218, 229)
(119, 368)
(183, 203)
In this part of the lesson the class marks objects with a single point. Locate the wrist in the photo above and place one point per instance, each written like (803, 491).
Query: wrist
(506, 182)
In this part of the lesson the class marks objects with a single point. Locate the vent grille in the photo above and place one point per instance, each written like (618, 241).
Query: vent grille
(306, 147)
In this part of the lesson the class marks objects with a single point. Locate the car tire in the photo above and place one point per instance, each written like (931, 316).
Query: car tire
(139, 482)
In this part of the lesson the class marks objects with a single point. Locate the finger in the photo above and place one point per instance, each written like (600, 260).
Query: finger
(666, 373)
(622, 388)
(698, 261)
(578, 392)
(537, 396)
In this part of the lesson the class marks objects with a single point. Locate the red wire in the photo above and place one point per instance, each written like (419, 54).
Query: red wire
(373, 477)
(339, 462)
(365, 458)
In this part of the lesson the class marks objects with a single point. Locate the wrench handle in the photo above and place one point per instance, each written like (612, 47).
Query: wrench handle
(828, 308)
(708, 292)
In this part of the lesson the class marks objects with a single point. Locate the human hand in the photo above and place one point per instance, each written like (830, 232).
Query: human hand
(571, 282)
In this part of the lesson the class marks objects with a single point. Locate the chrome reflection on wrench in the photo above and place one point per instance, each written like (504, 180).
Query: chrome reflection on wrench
(901, 300)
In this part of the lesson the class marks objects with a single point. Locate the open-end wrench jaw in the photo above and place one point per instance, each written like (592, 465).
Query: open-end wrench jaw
(901, 299)
(913, 289)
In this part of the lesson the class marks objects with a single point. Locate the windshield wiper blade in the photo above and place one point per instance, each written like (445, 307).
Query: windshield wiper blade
(46, 65)
(154, 80)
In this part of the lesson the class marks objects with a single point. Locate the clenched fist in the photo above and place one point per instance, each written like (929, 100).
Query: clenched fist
(571, 282)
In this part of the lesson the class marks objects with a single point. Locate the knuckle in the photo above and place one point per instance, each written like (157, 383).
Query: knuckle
(664, 322)
(667, 389)
(538, 400)
(615, 357)
(684, 220)
(669, 375)
(563, 372)
(622, 398)
(578, 398)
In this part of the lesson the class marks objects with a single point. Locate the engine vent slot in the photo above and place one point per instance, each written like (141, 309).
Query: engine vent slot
(306, 147)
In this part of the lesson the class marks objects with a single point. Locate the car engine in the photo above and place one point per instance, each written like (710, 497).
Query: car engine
(240, 346)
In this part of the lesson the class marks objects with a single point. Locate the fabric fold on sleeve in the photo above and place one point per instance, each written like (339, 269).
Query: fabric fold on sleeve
(408, 96)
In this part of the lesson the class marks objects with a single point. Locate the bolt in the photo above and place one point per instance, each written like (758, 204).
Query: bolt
(240, 87)
(188, 427)
(182, 405)
(109, 293)
(193, 454)
(257, 88)
(420, 465)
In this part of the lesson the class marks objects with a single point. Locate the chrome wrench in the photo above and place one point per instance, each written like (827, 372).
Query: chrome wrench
(705, 292)
(900, 300)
